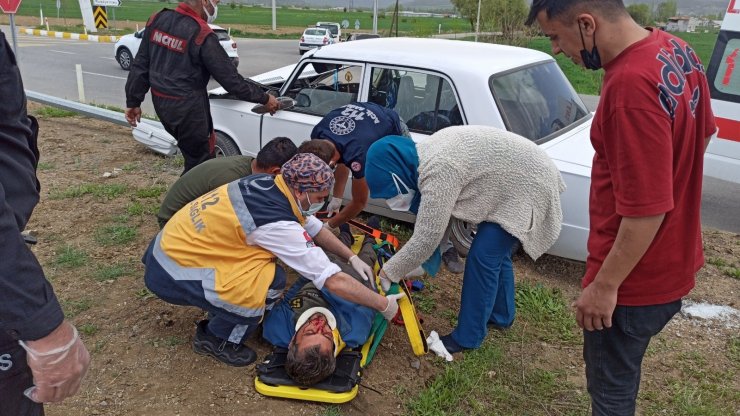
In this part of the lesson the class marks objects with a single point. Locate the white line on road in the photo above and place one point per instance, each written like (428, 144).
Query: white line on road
(67, 53)
(104, 75)
(107, 57)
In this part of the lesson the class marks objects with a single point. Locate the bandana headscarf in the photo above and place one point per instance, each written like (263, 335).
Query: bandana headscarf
(393, 155)
(306, 172)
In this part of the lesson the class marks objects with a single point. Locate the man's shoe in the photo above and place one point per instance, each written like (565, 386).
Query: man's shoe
(452, 261)
(374, 222)
(235, 355)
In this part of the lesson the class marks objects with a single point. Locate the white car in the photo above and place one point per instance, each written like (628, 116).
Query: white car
(432, 84)
(126, 48)
(314, 37)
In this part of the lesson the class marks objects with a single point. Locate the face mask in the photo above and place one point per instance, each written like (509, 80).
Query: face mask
(591, 60)
(211, 18)
(312, 208)
(400, 202)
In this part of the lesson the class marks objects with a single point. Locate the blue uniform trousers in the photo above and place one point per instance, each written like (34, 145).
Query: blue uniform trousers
(488, 286)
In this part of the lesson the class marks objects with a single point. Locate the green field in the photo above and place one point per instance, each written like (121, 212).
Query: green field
(139, 11)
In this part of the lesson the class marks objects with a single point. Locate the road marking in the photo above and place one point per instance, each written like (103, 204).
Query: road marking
(104, 75)
(107, 57)
(67, 53)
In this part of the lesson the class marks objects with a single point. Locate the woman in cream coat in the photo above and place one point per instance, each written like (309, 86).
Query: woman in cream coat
(496, 179)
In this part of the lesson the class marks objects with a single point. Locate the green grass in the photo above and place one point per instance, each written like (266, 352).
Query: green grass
(139, 11)
(331, 410)
(106, 191)
(115, 235)
(144, 294)
(733, 350)
(73, 308)
(107, 272)
(70, 257)
(424, 303)
(88, 329)
(546, 309)
(53, 112)
(401, 230)
(46, 166)
(151, 192)
(716, 262)
(733, 272)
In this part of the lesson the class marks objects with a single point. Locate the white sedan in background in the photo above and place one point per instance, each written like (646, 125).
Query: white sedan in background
(432, 84)
(126, 48)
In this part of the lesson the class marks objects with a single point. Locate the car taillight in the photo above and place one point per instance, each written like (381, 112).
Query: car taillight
(302, 39)
(233, 44)
(326, 40)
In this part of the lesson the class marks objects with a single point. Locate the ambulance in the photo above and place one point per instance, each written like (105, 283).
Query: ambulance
(722, 159)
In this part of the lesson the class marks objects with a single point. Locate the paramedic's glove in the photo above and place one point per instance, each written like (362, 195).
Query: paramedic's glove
(58, 362)
(333, 230)
(362, 268)
(334, 205)
(385, 281)
(392, 309)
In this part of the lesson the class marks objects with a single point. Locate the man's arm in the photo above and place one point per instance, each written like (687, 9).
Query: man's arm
(596, 304)
(360, 193)
(329, 242)
(346, 287)
(137, 82)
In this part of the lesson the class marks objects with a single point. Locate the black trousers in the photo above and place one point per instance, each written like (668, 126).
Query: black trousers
(15, 377)
(189, 121)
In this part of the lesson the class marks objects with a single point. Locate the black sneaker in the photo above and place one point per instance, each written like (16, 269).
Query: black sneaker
(452, 261)
(235, 355)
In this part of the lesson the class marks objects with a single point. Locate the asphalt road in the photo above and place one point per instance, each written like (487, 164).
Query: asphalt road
(48, 66)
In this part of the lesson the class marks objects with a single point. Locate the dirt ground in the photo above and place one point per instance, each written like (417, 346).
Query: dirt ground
(142, 363)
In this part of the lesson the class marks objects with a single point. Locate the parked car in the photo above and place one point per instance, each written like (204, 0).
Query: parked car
(313, 37)
(361, 36)
(126, 48)
(334, 28)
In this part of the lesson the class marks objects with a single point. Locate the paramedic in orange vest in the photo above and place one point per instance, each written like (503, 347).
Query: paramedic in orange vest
(219, 253)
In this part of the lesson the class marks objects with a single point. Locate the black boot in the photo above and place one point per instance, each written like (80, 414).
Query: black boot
(235, 355)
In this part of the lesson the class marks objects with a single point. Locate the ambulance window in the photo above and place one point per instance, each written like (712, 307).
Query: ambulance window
(727, 80)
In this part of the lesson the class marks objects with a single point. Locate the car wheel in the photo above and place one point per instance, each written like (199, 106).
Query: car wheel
(462, 235)
(225, 146)
(124, 58)
(301, 51)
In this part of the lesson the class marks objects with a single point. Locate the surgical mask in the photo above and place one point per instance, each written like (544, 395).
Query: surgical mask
(211, 18)
(400, 202)
(591, 60)
(312, 208)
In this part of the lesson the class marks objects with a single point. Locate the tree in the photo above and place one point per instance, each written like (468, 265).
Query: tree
(508, 17)
(665, 10)
(640, 13)
(468, 9)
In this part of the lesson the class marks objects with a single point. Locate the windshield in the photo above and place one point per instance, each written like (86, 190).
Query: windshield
(537, 101)
(315, 32)
(334, 29)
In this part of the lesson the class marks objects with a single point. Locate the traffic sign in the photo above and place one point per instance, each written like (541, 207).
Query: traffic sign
(10, 6)
(101, 17)
(108, 3)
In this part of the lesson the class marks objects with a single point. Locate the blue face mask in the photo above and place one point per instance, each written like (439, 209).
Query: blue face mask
(312, 208)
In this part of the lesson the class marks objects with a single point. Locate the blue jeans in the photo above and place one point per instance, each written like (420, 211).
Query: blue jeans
(614, 355)
(488, 286)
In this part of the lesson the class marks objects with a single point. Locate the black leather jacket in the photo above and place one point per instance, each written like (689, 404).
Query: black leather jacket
(178, 55)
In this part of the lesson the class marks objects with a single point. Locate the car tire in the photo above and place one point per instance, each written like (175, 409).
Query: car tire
(301, 51)
(124, 58)
(225, 146)
(462, 235)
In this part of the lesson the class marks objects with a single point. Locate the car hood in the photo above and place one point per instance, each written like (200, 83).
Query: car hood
(573, 146)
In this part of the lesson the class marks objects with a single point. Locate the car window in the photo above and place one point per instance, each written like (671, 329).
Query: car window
(724, 69)
(321, 87)
(334, 29)
(222, 34)
(537, 101)
(315, 32)
(425, 102)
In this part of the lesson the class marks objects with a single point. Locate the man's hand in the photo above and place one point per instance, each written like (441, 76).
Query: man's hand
(392, 309)
(133, 116)
(272, 104)
(58, 362)
(385, 281)
(334, 205)
(595, 306)
(362, 268)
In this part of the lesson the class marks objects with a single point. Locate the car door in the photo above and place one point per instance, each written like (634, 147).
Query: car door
(317, 86)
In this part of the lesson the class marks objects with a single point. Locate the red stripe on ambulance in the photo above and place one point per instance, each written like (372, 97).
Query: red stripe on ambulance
(728, 129)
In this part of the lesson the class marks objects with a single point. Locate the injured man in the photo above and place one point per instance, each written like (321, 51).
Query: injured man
(314, 325)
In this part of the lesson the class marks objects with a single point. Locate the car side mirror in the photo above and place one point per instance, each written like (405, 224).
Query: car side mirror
(139, 34)
(302, 100)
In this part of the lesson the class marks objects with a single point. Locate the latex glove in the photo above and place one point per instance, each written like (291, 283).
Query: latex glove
(333, 230)
(385, 281)
(362, 268)
(59, 367)
(435, 345)
(334, 205)
(391, 310)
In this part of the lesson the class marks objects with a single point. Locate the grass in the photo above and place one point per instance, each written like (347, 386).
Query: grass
(104, 273)
(733, 350)
(73, 308)
(151, 192)
(728, 269)
(401, 230)
(53, 112)
(106, 191)
(332, 410)
(70, 257)
(144, 294)
(115, 235)
(46, 166)
(136, 208)
(424, 303)
(545, 308)
(88, 329)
